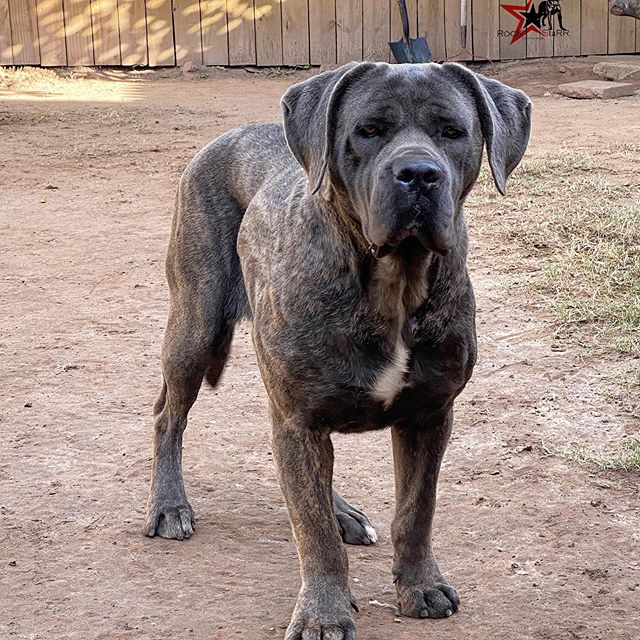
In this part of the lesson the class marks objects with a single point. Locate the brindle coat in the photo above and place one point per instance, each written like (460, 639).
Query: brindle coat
(351, 262)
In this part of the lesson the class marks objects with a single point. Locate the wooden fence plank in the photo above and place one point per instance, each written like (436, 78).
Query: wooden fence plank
(622, 34)
(486, 23)
(508, 50)
(568, 43)
(106, 35)
(24, 32)
(160, 33)
(53, 50)
(133, 32)
(452, 31)
(594, 26)
(6, 53)
(215, 45)
(78, 32)
(637, 36)
(539, 46)
(376, 23)
(268, 33)
(295, 32)
(242, 33)
(349, 31)
(186, 29)
(431, 26)
(322, 31)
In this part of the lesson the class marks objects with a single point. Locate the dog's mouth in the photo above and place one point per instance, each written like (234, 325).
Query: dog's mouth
(409, 241)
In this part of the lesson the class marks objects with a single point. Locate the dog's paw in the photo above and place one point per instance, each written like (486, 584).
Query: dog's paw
(437, 600)
(322, 615)
(354, 526)
(174, 521)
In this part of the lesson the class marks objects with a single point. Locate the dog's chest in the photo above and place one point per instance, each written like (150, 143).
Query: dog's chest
(390, 379)
(394, 296)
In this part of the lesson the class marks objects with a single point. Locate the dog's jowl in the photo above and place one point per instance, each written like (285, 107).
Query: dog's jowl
(341, 234)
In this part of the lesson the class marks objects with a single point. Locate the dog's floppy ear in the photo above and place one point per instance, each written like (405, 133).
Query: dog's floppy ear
(505, 118)
(309, 109)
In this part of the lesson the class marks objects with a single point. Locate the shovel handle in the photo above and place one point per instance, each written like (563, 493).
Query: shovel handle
(404, 16)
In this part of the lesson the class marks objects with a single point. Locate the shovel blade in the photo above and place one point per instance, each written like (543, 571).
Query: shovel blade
(414, 51)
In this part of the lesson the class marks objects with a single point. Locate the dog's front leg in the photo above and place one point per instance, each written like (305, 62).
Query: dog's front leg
(304, 459)
(417, 452)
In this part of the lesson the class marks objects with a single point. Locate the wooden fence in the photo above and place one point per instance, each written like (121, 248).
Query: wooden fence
(294, 32)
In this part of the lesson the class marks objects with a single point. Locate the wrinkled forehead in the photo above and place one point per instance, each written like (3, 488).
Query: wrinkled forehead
(408, 93)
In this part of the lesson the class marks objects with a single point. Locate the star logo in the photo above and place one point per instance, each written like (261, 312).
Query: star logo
(528, 20)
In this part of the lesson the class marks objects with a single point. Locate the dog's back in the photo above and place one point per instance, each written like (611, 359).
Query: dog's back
(213, 195)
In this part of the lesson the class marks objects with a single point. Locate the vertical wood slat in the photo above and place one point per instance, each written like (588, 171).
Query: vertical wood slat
(78, 32)
(349, 31)
(539, 46)
(322, 31)
(268, 33)
(376, 24)
(160, 33)
(508, 51)
(431, 26)
(24, 32)
(241, 32)
(295, 32)
(594, 26)
(452, 31)
(215, 45)
(622, 34)
(133, 32)
(6, 52)
(53, 50)
(106, 35)
(486, 23)
(186, 30)
(568, 45)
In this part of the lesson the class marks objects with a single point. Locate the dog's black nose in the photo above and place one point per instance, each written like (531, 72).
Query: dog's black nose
(418, 173)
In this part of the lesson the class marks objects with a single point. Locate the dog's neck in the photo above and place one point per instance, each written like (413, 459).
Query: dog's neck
(399, 283)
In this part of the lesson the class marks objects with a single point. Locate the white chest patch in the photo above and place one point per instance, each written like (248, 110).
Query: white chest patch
(390, 380)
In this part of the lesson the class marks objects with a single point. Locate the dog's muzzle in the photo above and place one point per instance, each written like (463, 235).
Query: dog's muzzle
(414, 208)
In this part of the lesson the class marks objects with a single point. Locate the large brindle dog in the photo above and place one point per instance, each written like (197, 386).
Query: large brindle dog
(341, 234)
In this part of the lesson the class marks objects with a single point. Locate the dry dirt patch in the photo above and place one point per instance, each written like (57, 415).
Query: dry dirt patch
(539, 546)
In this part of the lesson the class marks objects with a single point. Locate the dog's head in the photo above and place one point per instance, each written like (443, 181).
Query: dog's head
(404, 143)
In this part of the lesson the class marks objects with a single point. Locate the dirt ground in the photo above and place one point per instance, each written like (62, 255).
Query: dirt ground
(538, 546)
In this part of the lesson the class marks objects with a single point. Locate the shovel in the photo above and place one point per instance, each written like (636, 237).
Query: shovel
(408, 49)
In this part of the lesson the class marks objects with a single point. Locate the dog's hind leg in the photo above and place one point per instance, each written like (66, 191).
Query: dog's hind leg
(186, 358)
(354, 526)
(207, 298)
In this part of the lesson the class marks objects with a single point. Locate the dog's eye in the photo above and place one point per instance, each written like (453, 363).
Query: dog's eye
(452, 132)
(369, 131)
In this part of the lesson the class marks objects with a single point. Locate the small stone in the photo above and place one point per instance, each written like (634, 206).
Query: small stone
(589, 89)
